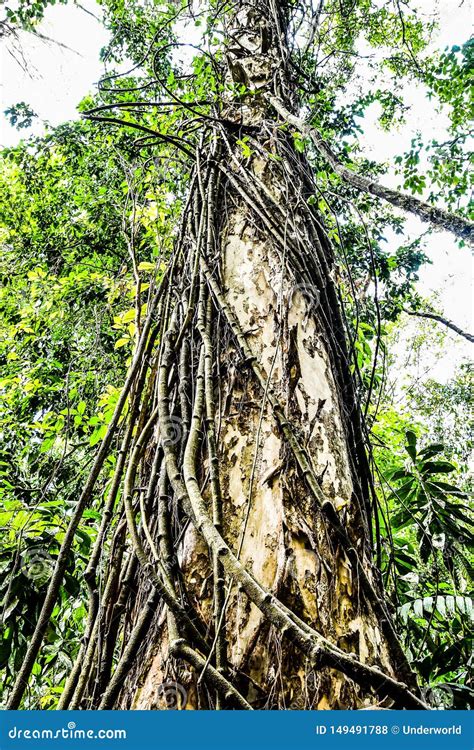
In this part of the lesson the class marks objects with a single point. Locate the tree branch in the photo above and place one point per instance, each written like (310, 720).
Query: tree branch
(444, 321)
(439, 217)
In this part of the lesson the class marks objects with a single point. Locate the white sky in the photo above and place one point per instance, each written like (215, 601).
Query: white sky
(48, 77)
(450, 276)
(52, 80)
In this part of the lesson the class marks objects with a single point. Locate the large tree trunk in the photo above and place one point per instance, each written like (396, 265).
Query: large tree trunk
(250, 580)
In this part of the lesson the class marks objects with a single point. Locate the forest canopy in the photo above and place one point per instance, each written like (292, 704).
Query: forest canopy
(220, 469)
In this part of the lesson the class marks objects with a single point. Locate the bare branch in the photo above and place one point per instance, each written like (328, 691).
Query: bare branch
(444, 321)
(439, 217)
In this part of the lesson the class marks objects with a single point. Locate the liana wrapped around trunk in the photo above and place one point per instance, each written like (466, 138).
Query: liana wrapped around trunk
(240, 569)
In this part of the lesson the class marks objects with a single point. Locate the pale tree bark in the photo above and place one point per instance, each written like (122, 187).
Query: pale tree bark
(240, 567)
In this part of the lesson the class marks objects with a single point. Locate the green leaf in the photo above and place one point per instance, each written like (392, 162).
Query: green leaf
(121, 342)
(146, 266)
(431, 450)
(418, 607)
(10, 608)
(71, 584)
(97, 435)
(437, 467)
(450, 604)
(246, 150)
(411, 437)
(400, 474)
(129, 315)
(81, 407)
(299, 143)
(441, 605)
(404, 611)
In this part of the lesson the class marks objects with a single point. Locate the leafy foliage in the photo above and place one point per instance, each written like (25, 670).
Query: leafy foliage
(427, 562)
(66, 298)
